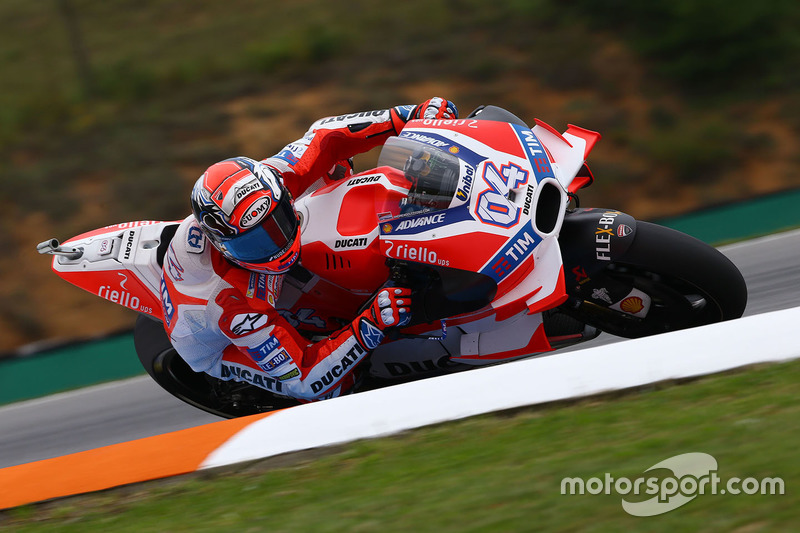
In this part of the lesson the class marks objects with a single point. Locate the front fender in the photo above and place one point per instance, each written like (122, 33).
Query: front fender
(592, 238)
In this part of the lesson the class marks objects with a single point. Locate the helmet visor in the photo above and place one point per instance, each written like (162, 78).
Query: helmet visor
(268, 240)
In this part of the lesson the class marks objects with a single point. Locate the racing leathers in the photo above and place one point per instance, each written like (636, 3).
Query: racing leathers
(222, 319)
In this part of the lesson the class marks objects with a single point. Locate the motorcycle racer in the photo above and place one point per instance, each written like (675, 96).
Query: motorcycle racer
(224, 268)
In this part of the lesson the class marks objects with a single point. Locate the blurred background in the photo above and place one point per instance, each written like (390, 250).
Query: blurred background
(109, 111)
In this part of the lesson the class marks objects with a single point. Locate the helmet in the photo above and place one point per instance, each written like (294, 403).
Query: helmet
(247, 214)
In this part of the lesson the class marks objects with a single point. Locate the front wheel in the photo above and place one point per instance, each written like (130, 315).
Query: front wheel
(688, 282)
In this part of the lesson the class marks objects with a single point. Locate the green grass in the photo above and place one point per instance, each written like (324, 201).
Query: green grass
(490, 473)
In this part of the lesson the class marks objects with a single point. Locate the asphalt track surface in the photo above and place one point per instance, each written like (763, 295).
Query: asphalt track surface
(137, 408)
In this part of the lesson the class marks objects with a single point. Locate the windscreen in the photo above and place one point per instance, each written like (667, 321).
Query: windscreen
(433, 172)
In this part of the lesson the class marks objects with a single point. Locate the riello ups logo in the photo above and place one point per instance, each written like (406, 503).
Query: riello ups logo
(122, 296)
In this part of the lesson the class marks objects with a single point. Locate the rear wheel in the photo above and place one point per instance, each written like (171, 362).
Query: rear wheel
(689, 284)
(228, 399)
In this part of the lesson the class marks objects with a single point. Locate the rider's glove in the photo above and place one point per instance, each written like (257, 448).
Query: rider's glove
(341, 169)
(435, 108)
(390, 308)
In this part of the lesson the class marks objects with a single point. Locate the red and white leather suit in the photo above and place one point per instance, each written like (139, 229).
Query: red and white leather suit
(222, 319)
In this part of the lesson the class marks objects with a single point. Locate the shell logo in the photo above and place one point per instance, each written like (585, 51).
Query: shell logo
(632, 304)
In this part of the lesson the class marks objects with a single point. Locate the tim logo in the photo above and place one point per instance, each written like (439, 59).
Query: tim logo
(259, 353)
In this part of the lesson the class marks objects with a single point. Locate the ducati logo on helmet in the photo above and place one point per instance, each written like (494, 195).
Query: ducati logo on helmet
(240, 191)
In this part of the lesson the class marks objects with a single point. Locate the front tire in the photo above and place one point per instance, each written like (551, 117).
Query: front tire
(689, 282)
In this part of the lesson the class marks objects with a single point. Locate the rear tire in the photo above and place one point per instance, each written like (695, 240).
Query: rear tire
(690, 283)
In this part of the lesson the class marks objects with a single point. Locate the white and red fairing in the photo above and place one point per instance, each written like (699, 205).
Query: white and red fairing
(489, 227)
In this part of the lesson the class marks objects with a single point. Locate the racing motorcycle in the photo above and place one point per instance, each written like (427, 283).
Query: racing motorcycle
(480, 217)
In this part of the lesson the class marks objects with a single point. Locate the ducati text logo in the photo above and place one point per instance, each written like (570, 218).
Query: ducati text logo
(364, 114)
(129, 245)
(363, 180)
(349, 359)
(526, 209)
(248, 375)
(350, 243)
(244, 190)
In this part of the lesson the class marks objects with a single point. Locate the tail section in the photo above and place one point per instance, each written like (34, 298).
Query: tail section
(119, 263)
